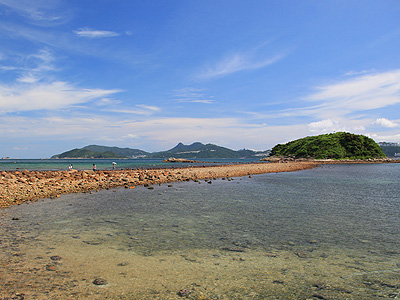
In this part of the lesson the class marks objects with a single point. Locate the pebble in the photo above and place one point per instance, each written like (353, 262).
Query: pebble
(302, 254)
(18, 296)
(184, 293)
(50, 267)
(99, 281)
(278, 282)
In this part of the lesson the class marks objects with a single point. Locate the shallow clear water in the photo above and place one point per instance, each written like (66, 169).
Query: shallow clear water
(330, 232)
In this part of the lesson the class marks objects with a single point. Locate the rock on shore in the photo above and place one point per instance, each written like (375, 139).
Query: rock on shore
(28, 186)
(180, 160)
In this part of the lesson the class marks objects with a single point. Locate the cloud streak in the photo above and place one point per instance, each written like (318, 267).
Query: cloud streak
(39, 11)
(145, 110)
(95, 34)
(192, 95)
(235, 63)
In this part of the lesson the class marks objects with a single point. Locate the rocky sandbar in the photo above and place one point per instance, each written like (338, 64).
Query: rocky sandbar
(27, 186)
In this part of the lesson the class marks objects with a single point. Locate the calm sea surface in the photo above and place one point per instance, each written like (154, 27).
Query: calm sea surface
(101, 164)
(332, 232)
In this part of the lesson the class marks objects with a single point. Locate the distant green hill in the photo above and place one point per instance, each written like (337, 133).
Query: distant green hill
(196, 151)
(390, 150)
(340, 145)
(193, 151)
(84, 153)
(202, 151)
(124, 152)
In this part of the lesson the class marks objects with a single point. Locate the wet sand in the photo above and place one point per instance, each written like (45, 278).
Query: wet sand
(17, 187)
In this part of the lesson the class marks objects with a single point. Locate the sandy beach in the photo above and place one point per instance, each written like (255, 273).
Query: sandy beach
(17, 187)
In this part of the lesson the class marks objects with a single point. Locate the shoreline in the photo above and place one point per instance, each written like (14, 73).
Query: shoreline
(18, 187)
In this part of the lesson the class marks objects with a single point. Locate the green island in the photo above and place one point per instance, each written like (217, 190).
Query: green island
(339, 145)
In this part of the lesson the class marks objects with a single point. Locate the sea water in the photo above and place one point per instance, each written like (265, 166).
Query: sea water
(104, 164)
(332, 232)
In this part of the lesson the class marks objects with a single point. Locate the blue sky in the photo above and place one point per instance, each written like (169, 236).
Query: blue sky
(239, 74)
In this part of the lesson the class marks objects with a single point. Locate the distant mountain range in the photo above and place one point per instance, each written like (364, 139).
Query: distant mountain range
(194, 151)
(391, 149)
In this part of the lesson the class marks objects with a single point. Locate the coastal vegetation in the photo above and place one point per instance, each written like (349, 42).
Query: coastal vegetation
(340, 145)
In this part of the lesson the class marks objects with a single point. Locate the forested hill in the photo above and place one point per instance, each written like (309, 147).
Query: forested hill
(340, 145)
(194, 151)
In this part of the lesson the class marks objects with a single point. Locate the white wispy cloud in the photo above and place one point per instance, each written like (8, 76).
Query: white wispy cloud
(141, 109)
(107, 102)
(350, 97)
(36, 88)
(149, 107)
(8, 68)
(32, 67)
(46, 96)
(359, 94)
(386, 123)
(37, 66)
(357, 73)
(94, 34)
(191, 95)
(234, 63)
(39, 10)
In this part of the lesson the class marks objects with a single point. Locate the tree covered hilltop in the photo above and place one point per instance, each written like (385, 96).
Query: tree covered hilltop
(340, 145)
